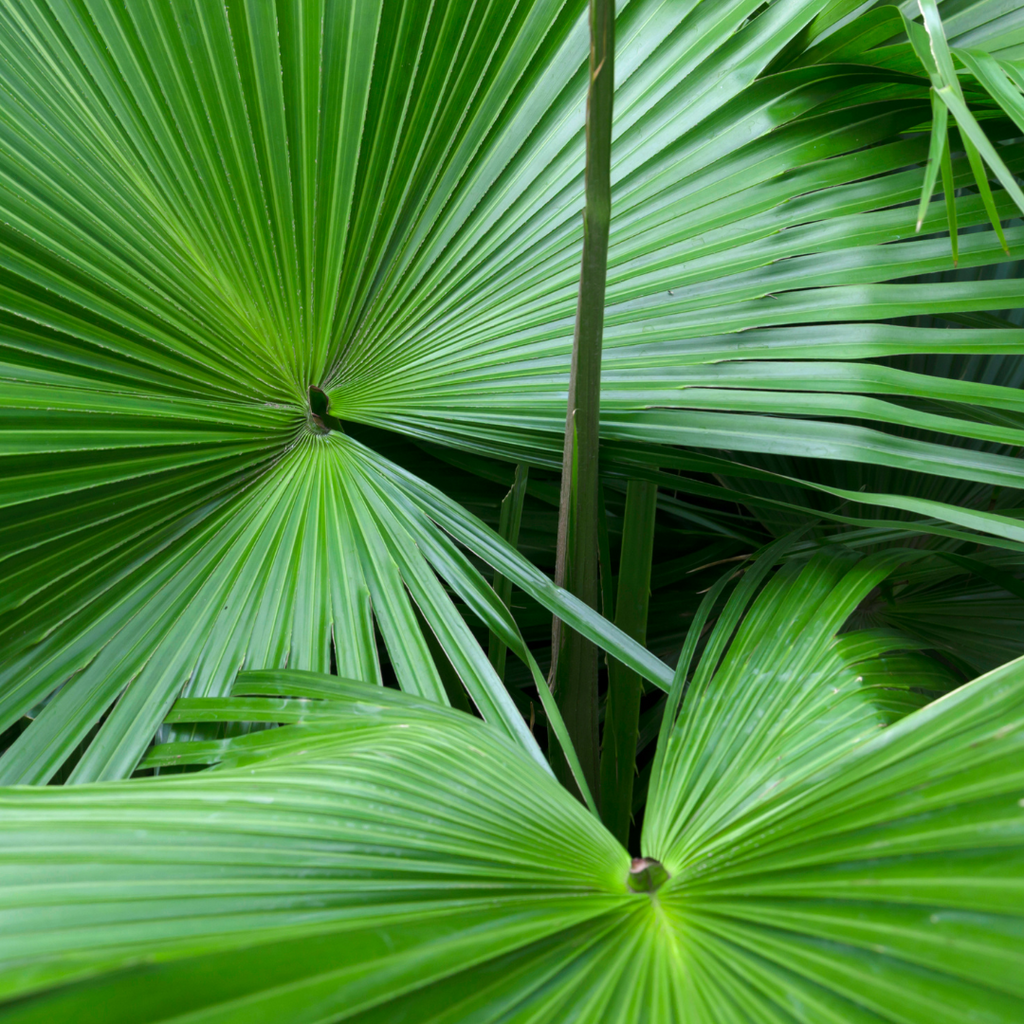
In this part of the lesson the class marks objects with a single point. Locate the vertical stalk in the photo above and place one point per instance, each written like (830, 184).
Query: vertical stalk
(604, 556)
(508, 526)
(622, 713)
(573, 675)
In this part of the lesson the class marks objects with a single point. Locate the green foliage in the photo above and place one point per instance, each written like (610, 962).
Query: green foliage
(287, 299)
(380, 856)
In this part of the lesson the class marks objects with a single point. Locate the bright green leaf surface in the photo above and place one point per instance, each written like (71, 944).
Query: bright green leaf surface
(206, 209)
(832, 857)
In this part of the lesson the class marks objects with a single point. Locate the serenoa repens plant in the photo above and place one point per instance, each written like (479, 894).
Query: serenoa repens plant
(813, 851)
(277, 277)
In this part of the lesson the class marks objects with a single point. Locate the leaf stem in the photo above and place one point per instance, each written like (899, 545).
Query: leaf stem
(573, 677)
(622, 714)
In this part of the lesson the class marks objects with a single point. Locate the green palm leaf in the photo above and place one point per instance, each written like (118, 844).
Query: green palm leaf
(207, 209)
(831, 857)
(236, 235)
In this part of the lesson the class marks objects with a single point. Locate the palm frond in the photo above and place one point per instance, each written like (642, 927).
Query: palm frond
(824, 841)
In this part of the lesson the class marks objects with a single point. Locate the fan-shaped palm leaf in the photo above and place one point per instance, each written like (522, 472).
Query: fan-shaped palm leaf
(209, 208)
(380, 857)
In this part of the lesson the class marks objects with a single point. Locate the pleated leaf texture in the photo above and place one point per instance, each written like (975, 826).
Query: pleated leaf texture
(836, 852)
(207, 208)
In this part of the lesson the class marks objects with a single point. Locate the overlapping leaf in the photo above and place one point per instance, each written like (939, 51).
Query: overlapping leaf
(831, 860)
(379, 857)
(207, 208)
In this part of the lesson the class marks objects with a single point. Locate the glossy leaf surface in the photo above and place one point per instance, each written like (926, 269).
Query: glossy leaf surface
(831, 856)
(207, 209)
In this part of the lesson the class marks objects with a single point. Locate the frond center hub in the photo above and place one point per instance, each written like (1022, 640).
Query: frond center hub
(320, 419)
(646, 875)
